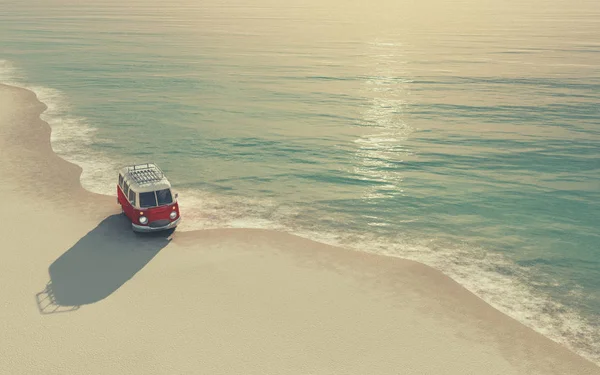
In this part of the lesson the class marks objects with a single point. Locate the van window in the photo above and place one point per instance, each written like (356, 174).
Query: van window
(164, 197)
(126, 188)
(120, 180)
(147, 199)
(132, 196)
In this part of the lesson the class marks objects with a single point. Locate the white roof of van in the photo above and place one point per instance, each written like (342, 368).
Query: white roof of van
(145, 177)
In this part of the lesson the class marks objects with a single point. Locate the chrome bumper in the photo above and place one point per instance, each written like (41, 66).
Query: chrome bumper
(146, 228)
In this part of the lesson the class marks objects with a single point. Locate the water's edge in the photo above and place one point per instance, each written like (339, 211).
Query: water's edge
(472, 268)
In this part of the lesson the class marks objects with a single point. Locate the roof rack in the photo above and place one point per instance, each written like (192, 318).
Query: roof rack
(145, 173)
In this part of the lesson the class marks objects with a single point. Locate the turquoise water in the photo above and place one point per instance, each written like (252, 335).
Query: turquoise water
(463, 135)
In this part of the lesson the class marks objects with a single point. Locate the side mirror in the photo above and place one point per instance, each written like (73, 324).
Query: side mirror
(176, 195)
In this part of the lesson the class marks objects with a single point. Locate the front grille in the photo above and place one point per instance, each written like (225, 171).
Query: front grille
(159, 223)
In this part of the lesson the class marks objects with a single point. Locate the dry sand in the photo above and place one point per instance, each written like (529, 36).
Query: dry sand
(81, 294)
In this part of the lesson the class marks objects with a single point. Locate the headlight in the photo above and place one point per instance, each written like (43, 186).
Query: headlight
(173, 215)
(143, 219)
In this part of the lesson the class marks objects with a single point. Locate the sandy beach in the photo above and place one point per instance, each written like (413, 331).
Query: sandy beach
(82, 294)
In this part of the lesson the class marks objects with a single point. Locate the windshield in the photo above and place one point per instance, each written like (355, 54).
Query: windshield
(164, 197)
(156, 198)
(147, 199)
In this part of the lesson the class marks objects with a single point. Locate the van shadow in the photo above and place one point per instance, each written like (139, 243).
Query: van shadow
(98, 264)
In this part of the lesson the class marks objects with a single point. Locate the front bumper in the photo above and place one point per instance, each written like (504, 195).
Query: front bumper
(146, 228)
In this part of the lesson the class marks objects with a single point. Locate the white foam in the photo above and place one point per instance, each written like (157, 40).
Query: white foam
(204, 210)
(71, 137)
(9, 74)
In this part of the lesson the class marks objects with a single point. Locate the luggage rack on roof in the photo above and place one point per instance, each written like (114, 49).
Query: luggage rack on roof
(145, 173)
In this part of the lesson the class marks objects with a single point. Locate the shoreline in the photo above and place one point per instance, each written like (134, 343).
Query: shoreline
(509, 290)
(45, 189)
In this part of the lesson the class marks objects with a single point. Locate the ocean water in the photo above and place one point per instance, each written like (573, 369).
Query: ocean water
(465, 135)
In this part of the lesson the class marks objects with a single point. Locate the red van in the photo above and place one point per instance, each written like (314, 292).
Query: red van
(145, 196)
